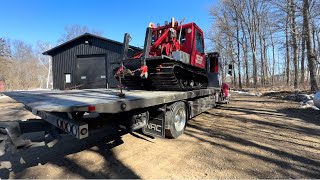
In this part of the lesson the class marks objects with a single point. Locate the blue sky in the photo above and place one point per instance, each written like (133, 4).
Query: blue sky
(44, 20)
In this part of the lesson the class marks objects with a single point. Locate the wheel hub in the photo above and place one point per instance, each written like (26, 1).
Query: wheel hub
(180, 119)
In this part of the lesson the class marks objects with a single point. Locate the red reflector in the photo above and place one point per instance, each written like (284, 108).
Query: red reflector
(91, 108)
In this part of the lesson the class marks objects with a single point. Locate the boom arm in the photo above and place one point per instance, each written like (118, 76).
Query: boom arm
(160, 39)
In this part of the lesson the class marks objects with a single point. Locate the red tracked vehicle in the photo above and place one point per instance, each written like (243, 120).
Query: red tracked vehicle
(173, 58)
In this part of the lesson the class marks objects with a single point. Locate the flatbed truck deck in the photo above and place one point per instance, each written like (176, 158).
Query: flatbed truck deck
(157, 113)
(104, 100)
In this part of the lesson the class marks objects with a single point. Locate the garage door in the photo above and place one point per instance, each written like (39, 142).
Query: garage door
(91, 72)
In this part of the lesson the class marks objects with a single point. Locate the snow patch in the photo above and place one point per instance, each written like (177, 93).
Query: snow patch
(247, 93)
(308, 101)
(35, 89)
(305, 100)
(307, 104)
(316, 100)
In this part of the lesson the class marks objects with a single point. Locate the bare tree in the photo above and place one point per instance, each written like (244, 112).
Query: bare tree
(4, 48)
(245, 49)
(22, 69)
(5, 53)
(260, 27)
(238, 53)
(273, 51)
(76, 30)
(45, 60)
(310, 52)
(287, 31)
(303, 46)
(294, 41)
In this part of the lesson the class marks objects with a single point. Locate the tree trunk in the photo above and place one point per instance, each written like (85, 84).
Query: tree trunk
(266, 67)
(310, 51)
(233, 64)
(318, 38)
(246, 64)
(318, 53)
(273, 57)
(294, 42)
(287, 51)
(314, 41)
(254, 64)
(253, 41)
(302, 58)
(245, 53)
(238, 51)
(261, 60)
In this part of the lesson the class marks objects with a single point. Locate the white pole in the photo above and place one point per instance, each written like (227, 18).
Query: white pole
(49, 71)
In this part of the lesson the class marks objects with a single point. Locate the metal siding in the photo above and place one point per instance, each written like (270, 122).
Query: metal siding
(65, 60)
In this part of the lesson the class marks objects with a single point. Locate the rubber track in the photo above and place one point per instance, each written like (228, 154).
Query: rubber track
(166, 77)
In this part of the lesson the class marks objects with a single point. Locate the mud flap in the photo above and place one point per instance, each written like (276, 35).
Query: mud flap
(156, 123)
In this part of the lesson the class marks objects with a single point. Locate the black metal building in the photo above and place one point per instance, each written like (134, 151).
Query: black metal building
(86, 62)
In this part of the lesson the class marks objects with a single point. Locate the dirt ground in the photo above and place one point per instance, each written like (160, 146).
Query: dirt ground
(252, 137)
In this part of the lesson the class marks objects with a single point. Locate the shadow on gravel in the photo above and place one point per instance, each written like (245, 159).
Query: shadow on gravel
(101, 144)
(257, 111)
(255, 101)
(266, 113)
(308, 115)
(289, 162)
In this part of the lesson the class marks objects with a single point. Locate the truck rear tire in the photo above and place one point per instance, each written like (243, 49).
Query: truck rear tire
(177, 120)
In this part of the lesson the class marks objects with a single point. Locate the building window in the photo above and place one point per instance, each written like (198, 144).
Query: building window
(67, 78)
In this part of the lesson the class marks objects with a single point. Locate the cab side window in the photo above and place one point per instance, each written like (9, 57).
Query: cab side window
(199, 42)
(183, 36)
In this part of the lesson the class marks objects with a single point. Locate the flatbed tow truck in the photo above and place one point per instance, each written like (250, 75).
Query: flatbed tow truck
(78, 112)
(158, 113)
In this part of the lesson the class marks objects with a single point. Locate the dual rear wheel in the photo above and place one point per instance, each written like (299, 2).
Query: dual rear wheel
(177, 120)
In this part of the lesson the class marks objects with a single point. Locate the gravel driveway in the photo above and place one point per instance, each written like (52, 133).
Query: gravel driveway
(252, 137)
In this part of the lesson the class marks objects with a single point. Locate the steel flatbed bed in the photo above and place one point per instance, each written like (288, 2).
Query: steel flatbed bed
(104, 100)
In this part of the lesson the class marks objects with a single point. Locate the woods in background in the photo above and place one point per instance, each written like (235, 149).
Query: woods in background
(22, 66)
(269, 42)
